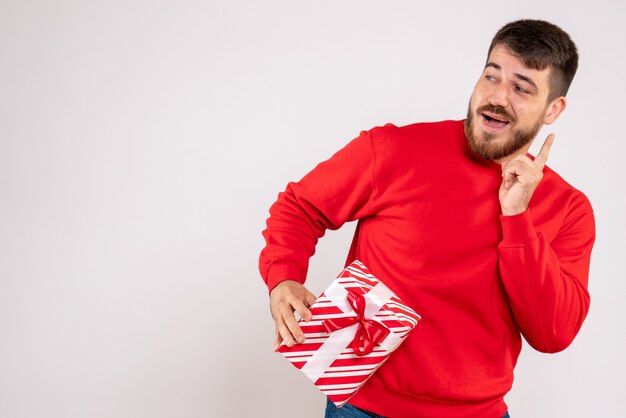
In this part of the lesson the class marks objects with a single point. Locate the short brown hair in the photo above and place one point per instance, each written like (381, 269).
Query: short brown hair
(540, 45)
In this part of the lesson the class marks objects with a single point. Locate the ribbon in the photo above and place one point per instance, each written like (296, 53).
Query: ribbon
(376, 298)
(368, 332)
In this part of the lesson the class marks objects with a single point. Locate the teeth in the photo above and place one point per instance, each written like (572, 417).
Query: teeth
(499, 120)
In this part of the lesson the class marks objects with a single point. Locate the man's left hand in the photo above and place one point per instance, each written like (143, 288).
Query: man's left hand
(520, 178)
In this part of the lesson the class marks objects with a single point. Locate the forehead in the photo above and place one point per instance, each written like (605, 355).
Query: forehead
(510, 64)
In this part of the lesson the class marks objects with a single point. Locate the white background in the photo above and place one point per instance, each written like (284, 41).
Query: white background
(142, 143)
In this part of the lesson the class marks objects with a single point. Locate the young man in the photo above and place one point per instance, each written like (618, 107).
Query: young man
(484, 241)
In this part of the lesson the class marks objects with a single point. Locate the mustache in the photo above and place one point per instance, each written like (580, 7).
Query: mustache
(496, 110)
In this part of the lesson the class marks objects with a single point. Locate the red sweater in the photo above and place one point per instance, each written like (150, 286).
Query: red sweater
(430, 226)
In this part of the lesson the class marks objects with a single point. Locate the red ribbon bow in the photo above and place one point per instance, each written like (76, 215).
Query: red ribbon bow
(368, 333)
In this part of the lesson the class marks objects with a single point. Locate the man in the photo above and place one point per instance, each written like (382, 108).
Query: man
(485, 242)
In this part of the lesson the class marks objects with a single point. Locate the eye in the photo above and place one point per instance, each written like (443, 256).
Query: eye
(521, 89)
(490, 77)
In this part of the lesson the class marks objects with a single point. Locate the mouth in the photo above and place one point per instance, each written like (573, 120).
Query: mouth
(494, 123)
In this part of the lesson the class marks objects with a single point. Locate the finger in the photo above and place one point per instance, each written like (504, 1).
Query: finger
(510, 172)
(302, 309)
(292, 328)
(542, 157)
(504, 166)
(309, 298)
(519, 166)
(514, 169)
(277, 339)
(514, 165)
(508, 182)
(284, 333)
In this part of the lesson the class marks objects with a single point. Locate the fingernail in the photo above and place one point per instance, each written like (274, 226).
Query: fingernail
(300, 338)
(289, 343)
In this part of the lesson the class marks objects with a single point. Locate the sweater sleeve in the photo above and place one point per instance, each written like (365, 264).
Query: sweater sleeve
(336, 191)
(546, 282)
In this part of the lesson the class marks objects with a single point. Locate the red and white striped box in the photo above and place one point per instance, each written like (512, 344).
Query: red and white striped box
(357, 323)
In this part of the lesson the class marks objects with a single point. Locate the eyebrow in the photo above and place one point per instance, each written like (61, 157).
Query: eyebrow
(518, 75)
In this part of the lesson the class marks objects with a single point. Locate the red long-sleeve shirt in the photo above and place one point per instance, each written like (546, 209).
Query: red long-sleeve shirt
(430, 226)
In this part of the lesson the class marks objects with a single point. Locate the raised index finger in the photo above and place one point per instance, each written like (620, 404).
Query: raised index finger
(542, 157)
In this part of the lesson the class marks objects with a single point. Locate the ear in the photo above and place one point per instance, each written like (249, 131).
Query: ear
(554, 109)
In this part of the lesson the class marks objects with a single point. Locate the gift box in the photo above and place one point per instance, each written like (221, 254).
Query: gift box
(356, 324)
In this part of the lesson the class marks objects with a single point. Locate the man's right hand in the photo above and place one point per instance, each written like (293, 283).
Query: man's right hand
(289, 296)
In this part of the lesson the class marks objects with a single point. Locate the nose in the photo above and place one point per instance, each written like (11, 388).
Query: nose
(499, 96)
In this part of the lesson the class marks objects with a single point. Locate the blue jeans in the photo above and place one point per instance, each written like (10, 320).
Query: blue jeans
(349, 411)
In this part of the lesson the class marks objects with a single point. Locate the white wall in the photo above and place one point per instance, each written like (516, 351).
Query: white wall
(142, 143)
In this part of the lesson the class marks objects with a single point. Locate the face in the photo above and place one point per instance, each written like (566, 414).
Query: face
(508, 107)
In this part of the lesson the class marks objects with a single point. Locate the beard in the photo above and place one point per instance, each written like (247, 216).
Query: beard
(486, 145)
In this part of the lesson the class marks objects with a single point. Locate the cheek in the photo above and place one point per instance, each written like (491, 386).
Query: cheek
(475, 100)
(478, 96)
(529, 114)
